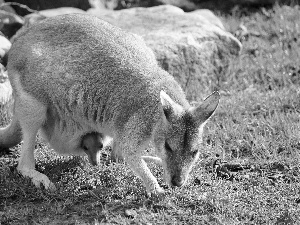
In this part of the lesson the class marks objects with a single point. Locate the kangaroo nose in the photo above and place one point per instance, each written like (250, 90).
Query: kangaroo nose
(177, 181)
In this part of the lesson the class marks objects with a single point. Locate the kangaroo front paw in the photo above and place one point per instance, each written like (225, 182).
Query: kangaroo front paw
(155, 190)
(44, 180)
(157, 194)
(38, 178)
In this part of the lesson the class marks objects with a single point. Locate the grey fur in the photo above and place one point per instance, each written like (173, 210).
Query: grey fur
(76, 74)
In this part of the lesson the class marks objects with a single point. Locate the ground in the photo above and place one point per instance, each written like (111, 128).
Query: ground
(256, 130)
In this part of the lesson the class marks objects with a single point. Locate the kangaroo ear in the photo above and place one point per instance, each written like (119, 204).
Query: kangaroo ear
(203, 111)
(169, 106)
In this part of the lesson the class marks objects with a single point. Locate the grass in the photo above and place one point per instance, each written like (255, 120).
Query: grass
(257, 125)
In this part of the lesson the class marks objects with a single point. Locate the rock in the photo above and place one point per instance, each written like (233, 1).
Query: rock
(33, 18)
(183, 4)
(37, 17)
(194, 47)
(5, 87)
(210, 16)
(104, 4)
(4, 46)
(59, 11)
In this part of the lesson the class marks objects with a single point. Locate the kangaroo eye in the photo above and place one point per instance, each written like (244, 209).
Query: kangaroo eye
(84, 148)
(168, 148)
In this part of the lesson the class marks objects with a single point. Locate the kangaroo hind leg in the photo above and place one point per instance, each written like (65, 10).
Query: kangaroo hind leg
(31, 114)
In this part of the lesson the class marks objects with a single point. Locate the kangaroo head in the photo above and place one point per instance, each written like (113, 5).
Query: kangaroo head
(92, 144)
(182, 141)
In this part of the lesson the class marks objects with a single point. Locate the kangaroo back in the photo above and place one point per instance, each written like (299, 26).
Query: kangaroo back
(92, 63)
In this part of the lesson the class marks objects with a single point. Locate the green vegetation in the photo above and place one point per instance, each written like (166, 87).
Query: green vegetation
(257, 125)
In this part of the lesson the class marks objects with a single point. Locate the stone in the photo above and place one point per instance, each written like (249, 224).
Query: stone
(37, 17)
(183, 4)
(5, 87)
(59, 11)
(104, 4)
(4, 46)
(194, 47)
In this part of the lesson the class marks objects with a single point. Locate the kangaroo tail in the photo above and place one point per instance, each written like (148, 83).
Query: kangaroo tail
(10, 135)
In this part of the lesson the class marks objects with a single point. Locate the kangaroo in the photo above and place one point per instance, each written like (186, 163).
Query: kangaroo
(75, 74)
